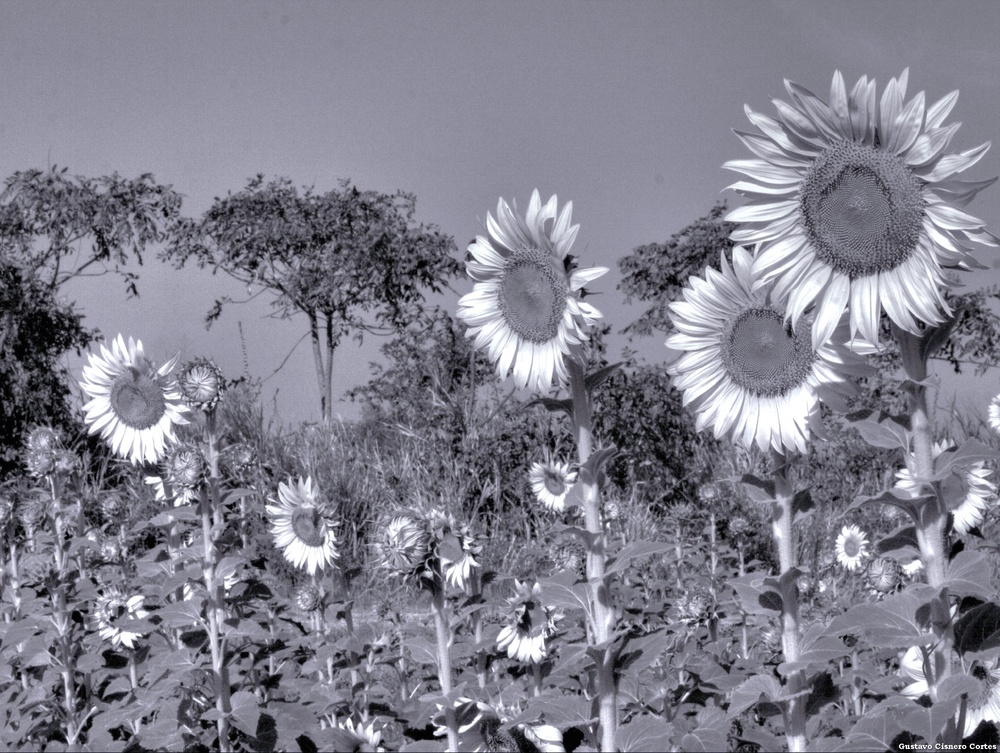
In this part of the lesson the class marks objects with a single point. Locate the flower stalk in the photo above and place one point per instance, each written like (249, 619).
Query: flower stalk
(443, 632)
(791, 637)
(601, 626)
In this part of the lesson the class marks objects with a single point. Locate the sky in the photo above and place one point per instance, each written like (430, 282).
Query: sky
(627, 109)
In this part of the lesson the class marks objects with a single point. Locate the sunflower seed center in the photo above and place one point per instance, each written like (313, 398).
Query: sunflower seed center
(764, 356)
(532, 295)
(137, 399)
(309, 526)
(852, 547)
(555, 482)
(862, 209)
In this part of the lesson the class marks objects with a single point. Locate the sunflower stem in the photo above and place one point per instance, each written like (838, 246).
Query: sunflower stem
(791, 639)
(444, 662)
(933, 515)
(216, 613)
(599, 594)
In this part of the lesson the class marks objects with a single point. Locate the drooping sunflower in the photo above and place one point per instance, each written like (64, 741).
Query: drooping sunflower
(534, 623)
(855, 204)
(526, 307)
(967, 490)
(184, 471)
(116, 618)
(302, 527)
(746, 372)
(405, 543)
(851, 547)
(550, 483)
(133, 405)
(455, 548)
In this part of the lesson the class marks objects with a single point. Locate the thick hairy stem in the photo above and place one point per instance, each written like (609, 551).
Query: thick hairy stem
(444, 664)
(933, 518)
(791, 638)
(216, 612)
(599, 594)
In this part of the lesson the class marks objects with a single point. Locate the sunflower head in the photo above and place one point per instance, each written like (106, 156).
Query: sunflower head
(201, 384)
(744, 369)
(405, 544)
(185, 467)
(851, 547)
(854, 205)
(41, 449)
(308, 598)
(527, 306)
(883, 574)
(551, 482)
(303, 527)
(133, 405)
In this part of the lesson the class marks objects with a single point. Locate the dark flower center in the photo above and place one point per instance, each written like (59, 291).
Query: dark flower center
(532, 295)
(862, 209)
(852, 547)
(764, 356)
(137, 399)
(555, 482)
(309, 526)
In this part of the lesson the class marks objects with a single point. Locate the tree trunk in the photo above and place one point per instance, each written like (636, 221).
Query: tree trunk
(321, 378)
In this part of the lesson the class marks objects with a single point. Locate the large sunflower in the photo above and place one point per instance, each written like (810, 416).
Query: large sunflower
(133, 404)
(743, 370)
(526, 307)
(302, 527)
(854, 204)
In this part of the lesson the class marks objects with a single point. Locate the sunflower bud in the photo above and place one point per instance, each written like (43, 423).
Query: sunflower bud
(201, 384)
(883, 574)
(405, 544)
(308, 598)
(40, 451)
(185, 467)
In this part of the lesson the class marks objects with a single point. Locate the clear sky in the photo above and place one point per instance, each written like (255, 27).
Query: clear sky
(625, 108)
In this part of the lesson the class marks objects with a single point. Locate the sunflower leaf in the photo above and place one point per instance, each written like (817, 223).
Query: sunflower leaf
(592, 381)
(760, 490)
(904, 537)
(969, 575)
(935, 337)
(978, 629)
(552, 405)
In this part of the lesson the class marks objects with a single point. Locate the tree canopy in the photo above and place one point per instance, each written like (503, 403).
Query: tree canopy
(352, 261)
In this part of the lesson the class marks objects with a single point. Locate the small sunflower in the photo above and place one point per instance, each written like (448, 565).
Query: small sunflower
(526, 307)
(357, 737)
(743, 370)
(854, 205)
(133, 405)
(308, 598)
(115, 618)
(994, 414)
(302, 527)
(968, 490)
(534, 623)
(41, 449)
(455, 547)
(550, 483)
(851, 547)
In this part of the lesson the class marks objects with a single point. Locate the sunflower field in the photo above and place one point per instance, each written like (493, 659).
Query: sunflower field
(772, 542)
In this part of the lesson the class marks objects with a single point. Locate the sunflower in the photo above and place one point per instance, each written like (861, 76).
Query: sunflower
(133, 405)
(994, 414)
(743, 370)
(405, 543)
(357, 737)
(983, 707)
(853, 204)
(302, 527)
(884, 574)
(550, 483)
(524, 639)
(115, 618)
(526, 307)
(851, 547)
(967, 489)
(455, 547)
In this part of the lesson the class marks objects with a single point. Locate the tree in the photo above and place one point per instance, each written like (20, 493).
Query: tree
(352, 261)
(54, 227)
(657, 272)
